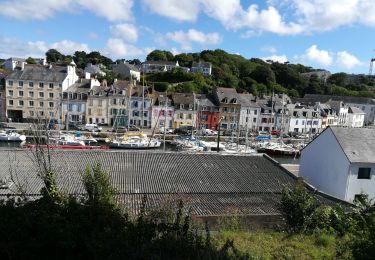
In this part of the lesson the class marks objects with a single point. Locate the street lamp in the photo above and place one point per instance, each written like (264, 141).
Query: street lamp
(218, 134)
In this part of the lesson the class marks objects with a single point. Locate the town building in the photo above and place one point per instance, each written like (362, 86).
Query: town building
(94, 69)
(127, 70)
(208, 113)
(356, 117)
(185, 109)
(13, 62)
(328, 114)
(230, 108)
(108, 104)
(140, 105)
(303, 119)
(202, 67)
(74, 100)
(2, 98)
(34, 91)
(366, 104)
(159, 66)
(249, 113)
(162, 111)
(341, 162)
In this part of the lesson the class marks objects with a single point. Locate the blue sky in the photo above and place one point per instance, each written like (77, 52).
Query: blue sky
(337, 35)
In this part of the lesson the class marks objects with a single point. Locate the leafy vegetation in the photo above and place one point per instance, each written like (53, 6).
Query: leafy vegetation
(94, 227)
(257, 76)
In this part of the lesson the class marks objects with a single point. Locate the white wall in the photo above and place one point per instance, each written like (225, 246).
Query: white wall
(358, 186)
(324, 165)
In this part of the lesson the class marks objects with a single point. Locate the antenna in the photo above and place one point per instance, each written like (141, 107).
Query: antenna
(371, 66)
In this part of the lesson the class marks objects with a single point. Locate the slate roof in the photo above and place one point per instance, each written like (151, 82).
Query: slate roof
(201, 64)
(152, 62)
(183, 98)
(356, 110)
(212, 184)
(358, 144)
(81, 86)
(246, 100)
(229, 93)
(37, 72)
(311, 99)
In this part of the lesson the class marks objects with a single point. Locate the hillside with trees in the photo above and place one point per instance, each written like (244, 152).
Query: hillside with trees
(255, 76)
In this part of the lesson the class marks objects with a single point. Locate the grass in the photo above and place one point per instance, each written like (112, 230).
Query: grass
(278, 245)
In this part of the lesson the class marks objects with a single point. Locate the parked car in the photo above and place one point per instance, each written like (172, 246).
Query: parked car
(275, 132)
(262, 133)
(209, 132)
(119, 129)
(133, 128)
(75, 126)
(93, 128)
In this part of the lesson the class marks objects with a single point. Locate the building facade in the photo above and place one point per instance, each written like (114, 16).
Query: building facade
(230, 108)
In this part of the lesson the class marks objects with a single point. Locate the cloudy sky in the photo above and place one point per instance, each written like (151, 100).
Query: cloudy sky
(338, 35)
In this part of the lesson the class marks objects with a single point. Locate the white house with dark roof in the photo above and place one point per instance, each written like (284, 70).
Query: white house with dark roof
(94, 69)
(249, 113)
(356, 117)
(128, 70)
(13, 62)
(202, 67)
(341, 162)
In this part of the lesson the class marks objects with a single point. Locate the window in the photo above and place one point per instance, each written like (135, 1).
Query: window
(41, 104)
(41, 94)
(79, 107)
(296, 122)
(50, 95)
(50, 85)
(190, 116)
(31, 84)
(51, 114)
(100, 102)
(31, 93)
(10, 102)
(20, 93)
(364, 173)
(255, 112)
(41, 84)
(254, 120)
(70, 107)
(50, 104)
(90, 102)
(20, 83)
(20, 103)
(10, 93)
(31, 103)
(10, 82)
(41, 113)
(60, 85)
(114, 102)
(31, 113)
(89, 111)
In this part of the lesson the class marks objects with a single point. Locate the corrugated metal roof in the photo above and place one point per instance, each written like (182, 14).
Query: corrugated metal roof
(211, 184)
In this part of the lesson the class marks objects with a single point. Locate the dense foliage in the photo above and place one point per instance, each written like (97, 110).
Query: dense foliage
(257, 76)
(93, 227)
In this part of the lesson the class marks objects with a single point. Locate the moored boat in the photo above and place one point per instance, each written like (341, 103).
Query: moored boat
(11, 136)
(136, 140)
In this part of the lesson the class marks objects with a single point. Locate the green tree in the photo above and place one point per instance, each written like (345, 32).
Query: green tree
(54, 56)
(159, 55)
(30, 60)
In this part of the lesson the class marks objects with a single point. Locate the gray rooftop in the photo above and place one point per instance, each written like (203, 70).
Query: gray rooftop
(37, 72)
(211, 184)
(357, 143)
(356, 110)
(313, 98)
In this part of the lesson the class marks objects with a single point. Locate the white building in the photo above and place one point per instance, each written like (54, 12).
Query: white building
(128, 70)
(202, 67)
(341, 162)
(303, 119)
(356, 117)
(94, 69)
(12, 63)
(162, 112)
(249, 113)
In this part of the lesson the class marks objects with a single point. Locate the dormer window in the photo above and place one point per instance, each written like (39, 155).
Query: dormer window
(233, 100)
(224, 100)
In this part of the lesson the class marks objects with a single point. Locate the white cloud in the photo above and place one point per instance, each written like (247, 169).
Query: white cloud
(316, 56)
(269, 49)
(186, 39)
(113, 10)
(341, 59)
(250, 34)
(11, 47)
(175, 9)
(125, 31)
(276, 58)
(117, 48)
(69, 47)
(347, 60)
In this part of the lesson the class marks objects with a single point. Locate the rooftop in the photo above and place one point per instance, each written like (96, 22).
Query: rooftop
(212, 184)
(357, 143)
(38, 72)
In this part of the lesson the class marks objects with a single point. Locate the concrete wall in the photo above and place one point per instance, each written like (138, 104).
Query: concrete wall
(324, 165)
(358, 186)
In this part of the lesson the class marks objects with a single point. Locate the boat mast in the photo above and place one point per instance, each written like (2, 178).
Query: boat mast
(192, 123)
(143, 99)
(165, 119)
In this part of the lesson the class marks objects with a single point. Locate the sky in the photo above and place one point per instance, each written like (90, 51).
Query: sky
(337, 35)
